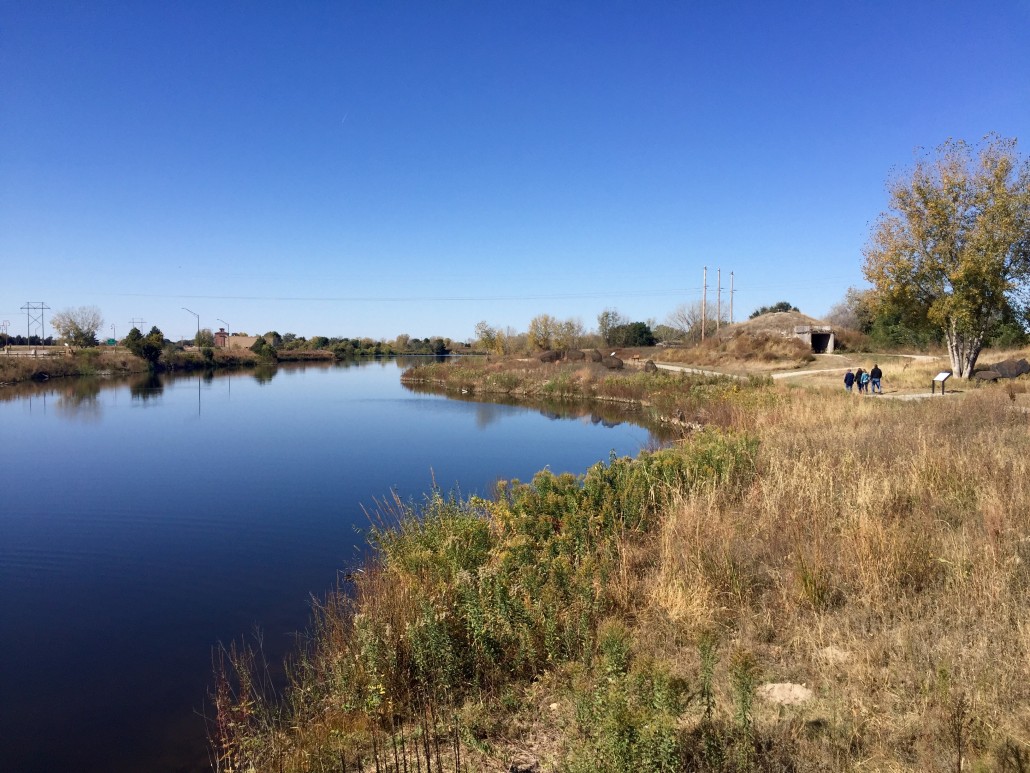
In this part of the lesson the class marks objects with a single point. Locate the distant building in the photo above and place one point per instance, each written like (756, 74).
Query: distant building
(221, 338)
(242, 342)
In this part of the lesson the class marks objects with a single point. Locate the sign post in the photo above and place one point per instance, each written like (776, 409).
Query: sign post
(941, 377)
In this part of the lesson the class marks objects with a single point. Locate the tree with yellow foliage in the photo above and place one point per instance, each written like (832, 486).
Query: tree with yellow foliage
(953, 251)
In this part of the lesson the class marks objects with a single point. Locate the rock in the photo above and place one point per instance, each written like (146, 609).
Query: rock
(987, 375)
(785, 693)
(650, 367)
(524, 767)
(594, 355)
(612, 363)
(574, 355)
(1010, 368)
(549, 356)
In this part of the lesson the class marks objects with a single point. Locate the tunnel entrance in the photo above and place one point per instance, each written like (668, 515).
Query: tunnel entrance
(822, 343)
(821, 338)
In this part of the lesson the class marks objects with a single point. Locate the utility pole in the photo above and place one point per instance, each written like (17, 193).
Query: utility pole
(731, 297)
(704, 300)
(197, 341)
(718, 303)
(137, 322)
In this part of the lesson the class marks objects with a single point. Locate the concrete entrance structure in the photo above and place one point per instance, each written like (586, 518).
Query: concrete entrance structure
(819, 337)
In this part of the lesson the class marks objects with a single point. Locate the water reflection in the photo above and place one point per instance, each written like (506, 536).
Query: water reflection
(107, 599)
(77, 399)
(263, 374)
(492, 408)
(147, 388)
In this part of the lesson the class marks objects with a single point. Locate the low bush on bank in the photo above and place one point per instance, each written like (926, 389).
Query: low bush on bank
(868, 555)
(469, 598)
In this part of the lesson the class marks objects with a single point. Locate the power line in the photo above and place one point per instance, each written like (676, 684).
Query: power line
(432, 298)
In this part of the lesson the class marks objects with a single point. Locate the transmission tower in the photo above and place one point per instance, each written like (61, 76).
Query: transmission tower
(34, 316)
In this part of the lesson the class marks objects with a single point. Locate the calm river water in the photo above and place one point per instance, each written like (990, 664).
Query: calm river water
(142, 522)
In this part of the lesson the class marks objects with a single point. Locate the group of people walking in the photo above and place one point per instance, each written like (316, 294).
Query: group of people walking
(866, 381)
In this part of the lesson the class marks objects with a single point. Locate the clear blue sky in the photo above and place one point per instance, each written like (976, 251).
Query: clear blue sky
(376, 168)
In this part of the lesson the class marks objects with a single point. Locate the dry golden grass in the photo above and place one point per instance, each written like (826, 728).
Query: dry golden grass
(881, 559)
(60, 362)
(740, 351)
(874, 550)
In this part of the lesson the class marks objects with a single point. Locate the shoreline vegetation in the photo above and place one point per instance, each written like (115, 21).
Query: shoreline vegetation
(37, 361)
(58, 362)
(805, 580)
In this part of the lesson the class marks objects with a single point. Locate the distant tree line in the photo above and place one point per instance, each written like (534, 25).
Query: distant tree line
(272, 344)
(19, 340)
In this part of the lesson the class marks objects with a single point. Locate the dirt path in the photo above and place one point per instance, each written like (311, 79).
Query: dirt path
(889, 395)
(696, 371)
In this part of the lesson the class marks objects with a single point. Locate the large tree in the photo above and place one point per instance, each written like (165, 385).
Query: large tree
(953, 250)
(78, 326)
(687, 318)
(147, 347)
(632, 334)
(608, 320)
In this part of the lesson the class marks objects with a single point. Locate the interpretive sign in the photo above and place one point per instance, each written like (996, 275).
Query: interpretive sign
(940, 378)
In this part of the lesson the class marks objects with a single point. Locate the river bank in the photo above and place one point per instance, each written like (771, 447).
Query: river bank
(686, 399)
(804, 582)
(40, 363)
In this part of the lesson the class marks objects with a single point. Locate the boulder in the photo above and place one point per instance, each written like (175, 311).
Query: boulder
(987, 375)
(612, 363)
(1011, 368)
(574, 355)
(650, 367)
(549, 356)
(594, 355)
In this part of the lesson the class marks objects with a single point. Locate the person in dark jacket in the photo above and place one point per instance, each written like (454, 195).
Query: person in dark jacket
(849, 380)
(874, 379)
(858, 379)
